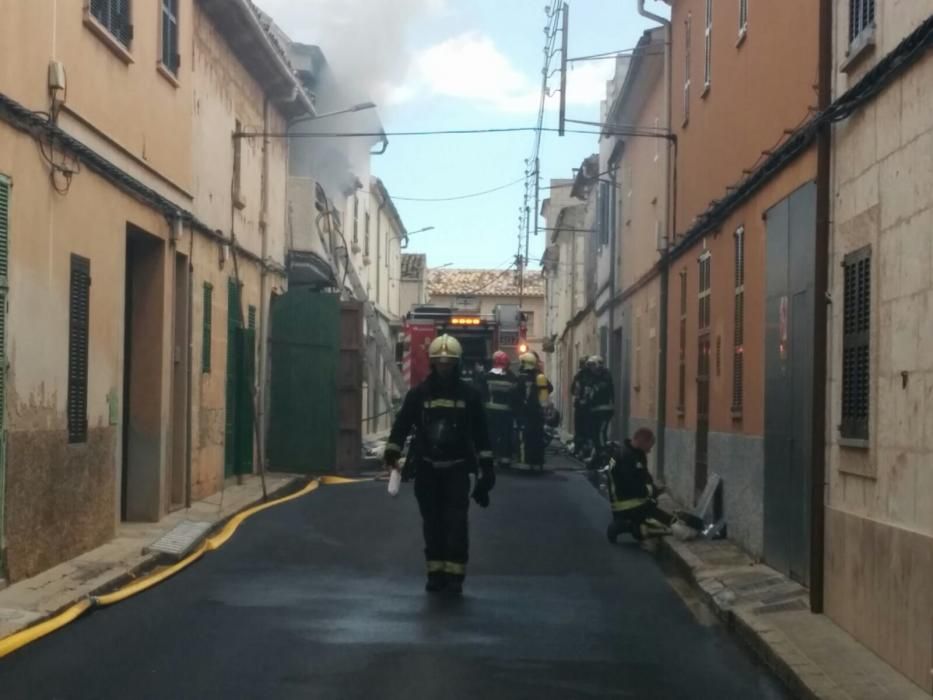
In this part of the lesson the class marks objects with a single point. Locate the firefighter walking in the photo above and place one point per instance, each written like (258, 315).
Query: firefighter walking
(451, 440)
(602, 407)
(534, 396)
(501, 394)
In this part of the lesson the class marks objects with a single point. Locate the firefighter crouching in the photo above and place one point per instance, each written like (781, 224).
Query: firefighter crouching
(502, 401)
(633, 494)
(451, 440)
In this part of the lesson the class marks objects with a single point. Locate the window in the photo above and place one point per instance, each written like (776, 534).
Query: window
(855, 344)
(208, 313)
(861, 18)
(637, 386)
(704, 292)
(239, 201)
(743, 17)
(79, 313)
(171, 58)
(682, 370)
(366, 236)
(738, 341)
(114, 16)
(688, 28)
(356, 219)
(708, 70)
(251, 318)
(604, 213)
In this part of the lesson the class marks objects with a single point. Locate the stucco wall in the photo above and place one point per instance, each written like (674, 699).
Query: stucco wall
(739, 461)
(49, 481)
(720, 244)
(102, 88)
(750, 101)
(879, 523)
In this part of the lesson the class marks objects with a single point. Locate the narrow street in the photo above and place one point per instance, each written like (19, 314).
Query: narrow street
(322, 598)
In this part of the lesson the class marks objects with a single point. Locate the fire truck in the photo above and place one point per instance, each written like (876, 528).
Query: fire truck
(480, 335)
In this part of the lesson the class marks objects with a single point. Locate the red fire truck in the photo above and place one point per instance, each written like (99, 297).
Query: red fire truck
(481, 335)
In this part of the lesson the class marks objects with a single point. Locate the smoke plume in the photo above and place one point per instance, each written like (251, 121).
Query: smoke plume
(364, 40)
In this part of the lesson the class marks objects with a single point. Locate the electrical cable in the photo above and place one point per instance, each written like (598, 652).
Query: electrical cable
(399, 134)
(462, 196)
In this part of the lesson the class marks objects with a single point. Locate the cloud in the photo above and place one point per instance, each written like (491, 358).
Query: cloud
(470, 67)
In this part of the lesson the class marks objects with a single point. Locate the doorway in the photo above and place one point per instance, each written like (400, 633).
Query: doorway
(790, 310)
(241, 377)
(143, 333)
(701, 467)
(181, 376)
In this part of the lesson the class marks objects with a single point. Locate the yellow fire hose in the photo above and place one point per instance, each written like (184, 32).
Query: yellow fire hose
(18, 640)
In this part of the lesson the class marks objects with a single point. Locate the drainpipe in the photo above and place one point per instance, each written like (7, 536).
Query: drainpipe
(189, 427)
(613, 235)
(260, 401)
(671, 228)
(820, 320)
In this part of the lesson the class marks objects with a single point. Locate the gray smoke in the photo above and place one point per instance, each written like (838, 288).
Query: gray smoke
(364, 40)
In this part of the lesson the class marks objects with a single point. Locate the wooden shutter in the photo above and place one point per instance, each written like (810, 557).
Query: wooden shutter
(79, 328)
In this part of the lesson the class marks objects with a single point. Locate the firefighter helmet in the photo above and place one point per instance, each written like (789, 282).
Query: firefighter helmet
(500, 360)
(445, 347)
(529, 361)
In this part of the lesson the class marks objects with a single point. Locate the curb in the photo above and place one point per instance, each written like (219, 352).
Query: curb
(156, 559)
(151, 563)
(802, 677)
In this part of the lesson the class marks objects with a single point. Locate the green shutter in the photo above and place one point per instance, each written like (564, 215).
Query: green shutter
(4, 267)
(4, 231)
(79, 326)
(206, 329)
(251, 324)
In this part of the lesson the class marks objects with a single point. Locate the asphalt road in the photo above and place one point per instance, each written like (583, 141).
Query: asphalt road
(323, 598)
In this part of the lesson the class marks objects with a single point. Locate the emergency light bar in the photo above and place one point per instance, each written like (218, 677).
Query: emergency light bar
(462, 321)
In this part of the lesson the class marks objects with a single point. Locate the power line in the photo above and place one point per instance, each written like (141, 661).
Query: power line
(397, 134)
(462, 196)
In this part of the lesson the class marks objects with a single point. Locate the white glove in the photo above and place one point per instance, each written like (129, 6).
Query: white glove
(395, 482)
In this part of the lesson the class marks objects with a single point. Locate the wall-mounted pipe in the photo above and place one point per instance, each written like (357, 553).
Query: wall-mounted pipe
(671, 228)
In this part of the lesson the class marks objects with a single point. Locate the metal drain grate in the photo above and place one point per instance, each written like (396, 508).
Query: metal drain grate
(181, 539)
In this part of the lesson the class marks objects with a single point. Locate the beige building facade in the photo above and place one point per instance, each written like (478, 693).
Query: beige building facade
(481, 291)
(879, 514)
(129, 210)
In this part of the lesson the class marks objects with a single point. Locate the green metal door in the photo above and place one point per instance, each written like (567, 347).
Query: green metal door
(241, 375)
(245, 415)
(4, 287)
(233, 323)
(303, 425)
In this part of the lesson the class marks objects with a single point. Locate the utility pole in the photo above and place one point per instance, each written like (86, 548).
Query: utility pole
(537, 198)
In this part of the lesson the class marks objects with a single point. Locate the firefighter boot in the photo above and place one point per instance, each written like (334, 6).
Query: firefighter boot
(437, 582)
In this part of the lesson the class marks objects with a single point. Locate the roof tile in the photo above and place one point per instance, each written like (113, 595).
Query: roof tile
(482, 283)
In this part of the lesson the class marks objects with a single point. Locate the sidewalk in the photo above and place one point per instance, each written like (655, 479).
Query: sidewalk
(27, 602)
(770, 613)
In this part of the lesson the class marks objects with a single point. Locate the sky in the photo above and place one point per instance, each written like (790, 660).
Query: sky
(464, 64)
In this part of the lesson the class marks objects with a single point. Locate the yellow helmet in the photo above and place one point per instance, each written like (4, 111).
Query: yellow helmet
(529, 361)
(445, 347)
